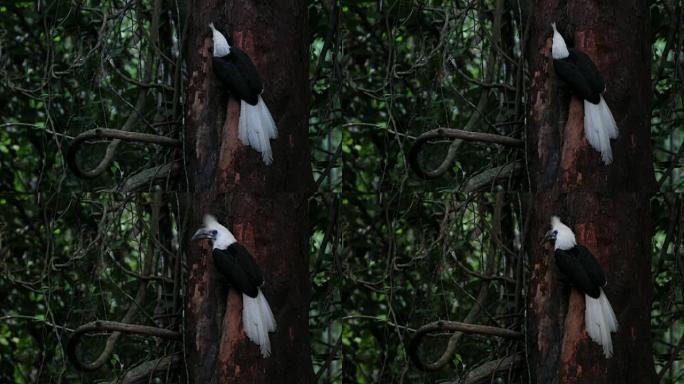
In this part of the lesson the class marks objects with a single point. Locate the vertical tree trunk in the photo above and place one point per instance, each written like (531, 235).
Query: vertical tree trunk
(264, 206)
(606, 206)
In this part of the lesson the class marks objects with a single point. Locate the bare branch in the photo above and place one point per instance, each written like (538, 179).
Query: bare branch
(452, 326)
(486, 370)
(442, 133)
(147, 176)
(117, 327)
(117, 135)
(148, 369)
(489, 176)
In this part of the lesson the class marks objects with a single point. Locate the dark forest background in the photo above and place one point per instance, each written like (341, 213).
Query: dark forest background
(389, 251)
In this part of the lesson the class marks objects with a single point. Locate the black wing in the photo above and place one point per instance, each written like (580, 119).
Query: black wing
(247, 262)
(247, 69)
(590, 265)
(571, 266)
(232, 78)
(589, 70)
(239, 268)
(569, 72)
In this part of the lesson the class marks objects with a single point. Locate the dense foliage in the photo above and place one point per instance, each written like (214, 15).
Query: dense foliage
(389, 252)
(68, 256)
(69, 67)
(417, 251)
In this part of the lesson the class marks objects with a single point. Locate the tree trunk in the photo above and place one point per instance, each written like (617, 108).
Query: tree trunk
(264, 206)
(606, 206)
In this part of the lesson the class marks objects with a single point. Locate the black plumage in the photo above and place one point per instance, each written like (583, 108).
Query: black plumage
(582, 269)
(239, 268)
(581, 74)
(237, 73)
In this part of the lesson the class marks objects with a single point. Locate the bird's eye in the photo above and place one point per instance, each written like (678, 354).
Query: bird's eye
(555, 232)
(214, 232)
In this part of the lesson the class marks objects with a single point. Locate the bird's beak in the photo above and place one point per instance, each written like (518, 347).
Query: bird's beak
(204, 233)
(549, 236)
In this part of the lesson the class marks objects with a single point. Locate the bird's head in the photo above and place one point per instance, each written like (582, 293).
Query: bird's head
(221, 46)
(560, 234)
(558, 50)
(219, 235)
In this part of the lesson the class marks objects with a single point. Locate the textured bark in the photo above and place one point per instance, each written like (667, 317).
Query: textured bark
(606, 206)
(616, 37)
(264, 206)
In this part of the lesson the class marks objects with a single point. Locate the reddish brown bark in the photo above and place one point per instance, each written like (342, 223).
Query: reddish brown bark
(606, 206)
(616, 230)
(264, 206)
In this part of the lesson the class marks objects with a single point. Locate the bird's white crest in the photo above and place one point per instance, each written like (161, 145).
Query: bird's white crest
(221, 47)
(565, 238)
(224, 237)
(558, 50)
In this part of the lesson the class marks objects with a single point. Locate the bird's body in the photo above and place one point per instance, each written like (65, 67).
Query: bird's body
(237, 73)
(578, 70)
(580, 266)
(585, 274)
(239, 268)
(580, 73)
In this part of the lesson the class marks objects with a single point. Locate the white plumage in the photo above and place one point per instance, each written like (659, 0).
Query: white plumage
(256, 128)
(558, 49)
(600, 321)
(221, 47)
(599, 128)
(258, 321)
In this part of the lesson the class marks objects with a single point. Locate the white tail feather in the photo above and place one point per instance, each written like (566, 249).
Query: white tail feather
(258, 321)
(256, 127)
(608, 120)
(600, 321)
(599, 128)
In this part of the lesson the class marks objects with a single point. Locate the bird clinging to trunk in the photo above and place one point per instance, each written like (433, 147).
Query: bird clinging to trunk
(237, 265)
(580, 73)
(240, 77)
(586, 275)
